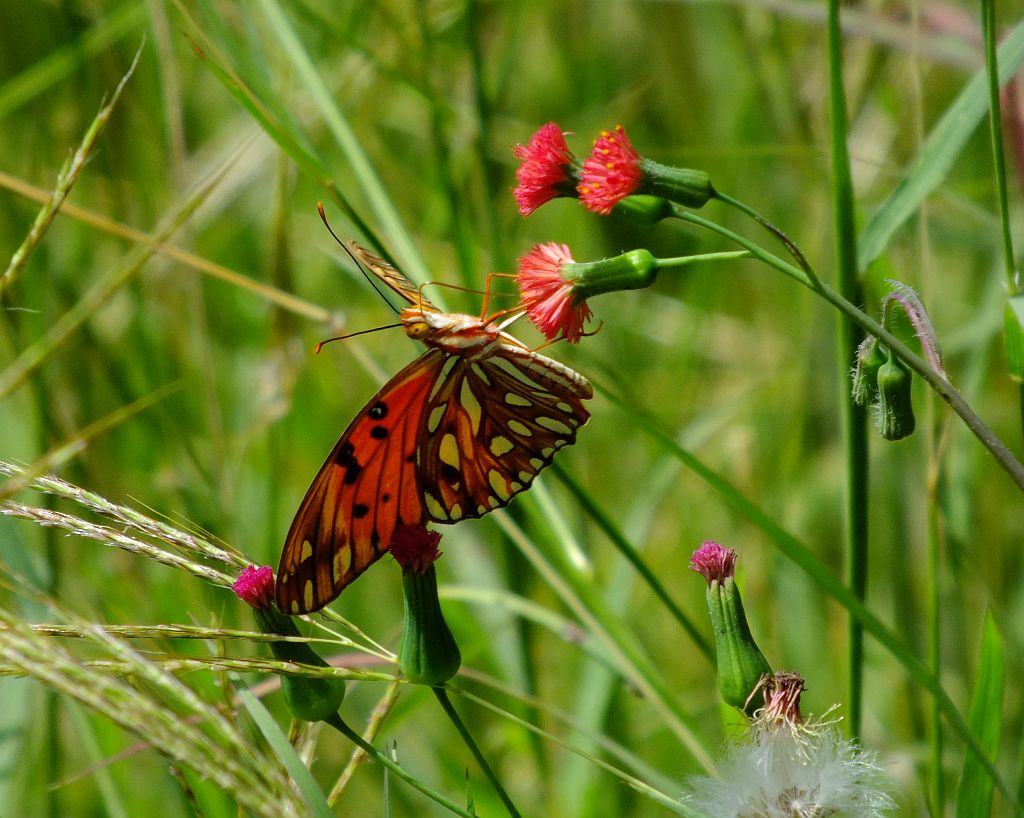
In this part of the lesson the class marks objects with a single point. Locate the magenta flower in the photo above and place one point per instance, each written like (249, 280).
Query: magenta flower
(415, 548)
(548, 294)
(547, 169)
(714, 562)
(255, 586)
(611, 172)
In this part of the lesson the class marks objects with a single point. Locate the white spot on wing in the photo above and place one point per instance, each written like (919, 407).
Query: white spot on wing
(435, 417)
(498, 484)
(500, 445)
(520, 428)
(553, 425)
(449, 450)
(515, 399)
(434, 508)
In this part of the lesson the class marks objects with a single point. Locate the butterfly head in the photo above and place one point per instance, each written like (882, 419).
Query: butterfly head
(416, 323)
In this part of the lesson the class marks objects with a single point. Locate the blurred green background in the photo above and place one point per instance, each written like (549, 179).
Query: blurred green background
(737, 364)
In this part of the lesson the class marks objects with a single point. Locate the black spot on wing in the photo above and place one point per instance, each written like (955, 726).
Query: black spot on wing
(379, 432)
(352, 471)
(450, 474)
(378, 411)
(344, 455)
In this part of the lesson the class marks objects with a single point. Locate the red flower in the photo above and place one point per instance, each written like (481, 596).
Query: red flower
(548, 294)
(611, 172)
(546, 171)
(415, 548)
(256, 586)
(714, 562)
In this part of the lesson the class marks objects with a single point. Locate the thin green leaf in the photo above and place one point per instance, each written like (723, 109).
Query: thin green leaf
(283, 749)
(1014, 336)
(974, 796)
(939, 152)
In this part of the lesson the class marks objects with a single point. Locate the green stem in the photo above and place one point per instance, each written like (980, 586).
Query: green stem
(934, 379)
(789, 244)
(339, 724)
(684, 261)
(988, 28)
(1013, 278)
(854, 417)
(453, 715)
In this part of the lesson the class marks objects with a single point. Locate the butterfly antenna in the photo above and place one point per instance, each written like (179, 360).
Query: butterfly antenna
(367, 276)
(320, 344)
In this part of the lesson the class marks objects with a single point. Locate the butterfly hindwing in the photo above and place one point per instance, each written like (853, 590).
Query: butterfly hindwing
(366, 488)
(491, 426)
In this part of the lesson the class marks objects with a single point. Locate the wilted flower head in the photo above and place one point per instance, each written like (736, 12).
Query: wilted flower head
(782, 768)
(415, 548)
(309, 699)
(741, 667)
(429, 654)
(547, 170)
(547, 292)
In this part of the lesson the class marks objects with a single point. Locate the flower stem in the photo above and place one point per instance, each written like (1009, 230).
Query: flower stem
(684, 261)
(934, 379)
(789, 244)
(854, 417)
(453, 715)
(339, 724)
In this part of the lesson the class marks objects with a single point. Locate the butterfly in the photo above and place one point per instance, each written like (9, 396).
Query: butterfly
(455, 434)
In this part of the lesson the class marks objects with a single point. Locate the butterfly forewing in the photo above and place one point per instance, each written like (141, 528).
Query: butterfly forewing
(365, 489)
(390, 275)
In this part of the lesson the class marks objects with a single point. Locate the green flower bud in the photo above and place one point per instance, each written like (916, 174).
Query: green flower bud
(307, 698)
(894, 412)
(429, 654)
(645, 211)
(741, 665)
(870, 358)
(633, 270)
(685, 186)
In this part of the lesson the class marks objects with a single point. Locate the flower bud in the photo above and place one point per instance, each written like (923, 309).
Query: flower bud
(870, 358)
(632, 270)
(308, 699)
(429, 654)
(741, 665)
(894, 413)
(685, 186)
(645, 211)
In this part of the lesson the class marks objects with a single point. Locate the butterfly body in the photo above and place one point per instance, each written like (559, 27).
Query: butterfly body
(455, 434)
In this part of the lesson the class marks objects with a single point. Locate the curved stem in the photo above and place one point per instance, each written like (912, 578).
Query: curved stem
(789, 244)
(934, 379)
(339, 724)
(452, 713)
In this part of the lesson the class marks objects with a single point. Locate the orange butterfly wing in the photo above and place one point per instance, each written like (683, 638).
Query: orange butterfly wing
(492, 426)
(365, 489)
(449, 437)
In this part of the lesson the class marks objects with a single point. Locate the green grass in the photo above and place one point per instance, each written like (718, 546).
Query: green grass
(156, 338)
